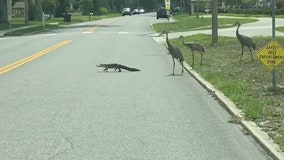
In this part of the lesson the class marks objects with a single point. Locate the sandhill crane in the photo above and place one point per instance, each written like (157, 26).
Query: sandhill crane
(194, 47)
(175, 52)
(245, 41)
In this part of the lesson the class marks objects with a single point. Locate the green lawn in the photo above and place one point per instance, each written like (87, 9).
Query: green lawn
(185, 22)
(49, 23)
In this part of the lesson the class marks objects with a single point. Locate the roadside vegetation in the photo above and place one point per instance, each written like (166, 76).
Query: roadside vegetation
(37, 26)
(184, 22)
(248, 83)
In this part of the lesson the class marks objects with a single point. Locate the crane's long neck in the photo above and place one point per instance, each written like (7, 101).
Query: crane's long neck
(167, 38)
(168, 42)
(237, 31)
(170, 46)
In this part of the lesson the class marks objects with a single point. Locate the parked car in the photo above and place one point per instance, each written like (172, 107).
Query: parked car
(126, 11)
(207, 10)
(135, 11)
(176, 9)
(141, 11)
(162, 13)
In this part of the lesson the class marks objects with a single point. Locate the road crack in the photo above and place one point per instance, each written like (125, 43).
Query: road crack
(63, 152)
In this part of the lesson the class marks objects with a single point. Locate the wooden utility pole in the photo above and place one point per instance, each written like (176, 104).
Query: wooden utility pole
(26, 11)
(9, 9)
(273, 38)
(214, 21)
(38, 9)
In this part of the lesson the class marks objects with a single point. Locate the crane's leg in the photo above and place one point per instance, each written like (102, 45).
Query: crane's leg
(192, 58)
(181, 62)
(174, 63)
(251, 54)
(242, 53)
(201, 58)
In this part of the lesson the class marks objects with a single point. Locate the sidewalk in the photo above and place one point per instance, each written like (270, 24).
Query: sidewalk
(2, 32)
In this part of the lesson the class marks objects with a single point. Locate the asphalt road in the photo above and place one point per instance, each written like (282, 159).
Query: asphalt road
(57, 105)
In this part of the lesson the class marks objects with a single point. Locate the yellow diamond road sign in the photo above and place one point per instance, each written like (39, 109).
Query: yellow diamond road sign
(168, 4)
(271, 55)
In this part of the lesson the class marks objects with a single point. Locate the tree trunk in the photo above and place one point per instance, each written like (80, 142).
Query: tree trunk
(214, 21)
(26, 11)
(3, 11)
(38, 10)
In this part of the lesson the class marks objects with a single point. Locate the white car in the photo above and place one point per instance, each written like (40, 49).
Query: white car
(141, 11)
(126, 11)
(135, 11)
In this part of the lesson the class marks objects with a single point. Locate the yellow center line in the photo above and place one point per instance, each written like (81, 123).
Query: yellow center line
(32, 57)
(92, 29)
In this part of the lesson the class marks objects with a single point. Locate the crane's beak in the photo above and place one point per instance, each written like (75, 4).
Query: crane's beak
(236, 23)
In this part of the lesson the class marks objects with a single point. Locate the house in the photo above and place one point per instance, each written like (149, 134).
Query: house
(18, 10)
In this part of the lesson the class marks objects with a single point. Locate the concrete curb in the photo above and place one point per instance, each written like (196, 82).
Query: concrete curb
(260, 136)
(3, 32)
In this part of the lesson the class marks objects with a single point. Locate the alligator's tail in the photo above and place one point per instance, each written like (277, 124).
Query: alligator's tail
(128, 68)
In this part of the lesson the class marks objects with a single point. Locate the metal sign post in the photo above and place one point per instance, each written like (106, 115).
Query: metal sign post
(168, 7)
(273, 37)
(272, 54)
(10, 22)
(43, 20)
(9, 11)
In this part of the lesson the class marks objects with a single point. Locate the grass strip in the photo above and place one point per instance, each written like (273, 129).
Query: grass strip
(248, 83)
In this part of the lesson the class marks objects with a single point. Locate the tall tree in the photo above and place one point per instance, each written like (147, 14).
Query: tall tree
(214, 21)
(38, 9)
(26, 11)
(86, 6)
(48, 6)
(96, 5)
(149, 5)
(61, 7)
(3, 11)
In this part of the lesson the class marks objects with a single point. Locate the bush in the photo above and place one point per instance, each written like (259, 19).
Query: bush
(103, 10)
(280, 11)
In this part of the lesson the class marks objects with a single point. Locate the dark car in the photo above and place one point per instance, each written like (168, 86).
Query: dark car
(126, 11)
(162, 13)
